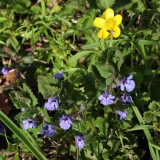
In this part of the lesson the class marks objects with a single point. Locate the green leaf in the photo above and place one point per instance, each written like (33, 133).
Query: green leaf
(141, 127)
(19, 9)
(63, 20)
(29, 58)
(103, 4)
(30, 93)
(142, 99)
(78, 55)
(20, 100)
(48, 86)
(101, 124)
(80, 126)
(96, 147)
(35, 9)
(149, 117)
(104, 70)
(118, 59)
(154, 105)
(114, 145)
(147, 42)
(91, 45)
(106, 154)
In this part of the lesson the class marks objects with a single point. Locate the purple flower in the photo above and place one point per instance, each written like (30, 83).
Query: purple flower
(106, 98)
(2, 127)
(58, 75)
(79, 141)
(65, 122)
(28, 123)
(122, 114)
(52, 104)
(127, 83)
(125, 98)
(5, 70)
(48, 129)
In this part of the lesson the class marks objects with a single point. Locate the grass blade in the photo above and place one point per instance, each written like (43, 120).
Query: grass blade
(36, 152)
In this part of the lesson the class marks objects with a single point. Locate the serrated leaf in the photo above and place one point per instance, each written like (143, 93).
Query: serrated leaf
(30, 93)
(149, 117)
(103, 4)
(48, 86)
(104, 70)
(80, 126)
(20, 100)
(96, 147)
(114, 145)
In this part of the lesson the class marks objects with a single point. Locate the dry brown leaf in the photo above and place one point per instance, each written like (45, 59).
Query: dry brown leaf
(6, 81)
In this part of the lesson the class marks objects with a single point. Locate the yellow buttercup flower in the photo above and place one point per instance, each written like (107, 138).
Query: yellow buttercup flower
(108, 24)
(58, 8)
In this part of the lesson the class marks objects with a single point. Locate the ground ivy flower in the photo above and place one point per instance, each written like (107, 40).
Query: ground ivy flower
(52, 104)
(122, 115)
(106, 98)
(108, 24)
(5, 70)
(48, 129)
(127, 83)
(65, 122)
(125, 98)
(58, 75)
(2, 127)
(28, 123)
(79, 141)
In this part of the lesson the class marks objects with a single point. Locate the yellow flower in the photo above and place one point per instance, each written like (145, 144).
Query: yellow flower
(108, 24)
(58, 8)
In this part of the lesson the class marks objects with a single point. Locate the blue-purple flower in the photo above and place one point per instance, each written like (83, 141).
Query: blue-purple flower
(127, 83)
(52, 104)
(2, 127)
(79, 141)
(58, 75)
(106, 98)
(5, 70)
(28, 123)
(48, 129)
(65, 122)
(125, 98)
(122, 115)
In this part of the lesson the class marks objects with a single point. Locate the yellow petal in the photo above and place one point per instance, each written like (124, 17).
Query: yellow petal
(99, 22)
(103, 33)
(118, 19)
(109, 13)
(116, 32)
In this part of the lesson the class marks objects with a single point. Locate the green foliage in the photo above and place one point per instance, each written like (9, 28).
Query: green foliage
(48, 86)
(103, 4)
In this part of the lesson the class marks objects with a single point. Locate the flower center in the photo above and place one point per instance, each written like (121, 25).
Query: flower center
(79, 139)
(46, 127)
(110, 24)
(66, 119)
(30, 122)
